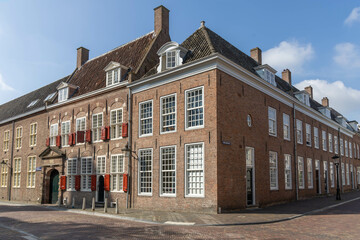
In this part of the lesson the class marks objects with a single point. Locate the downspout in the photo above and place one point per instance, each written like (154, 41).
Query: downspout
(295, 156)
(340, 158)
(11, 159)
(130, 147)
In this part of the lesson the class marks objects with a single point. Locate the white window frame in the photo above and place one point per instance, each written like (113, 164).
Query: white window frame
(343, 174)
(148, 170)
(272, 122)
(96, 128)
(299, 132)
(330, 140)
(172, 55)
(86, 175)
(273, 171)
(347, 174)
(308, 134)
(117, 172)
(341, 147)
(324, 140)
(287, 172)
(116, 127)
(53, 130)
(115, 76)
(101, 165)
(350, 150)
(79, 128)
(332, 175)
(65, 133)
(162, 171)
(146, 119)
(286, 126)
(162, 115)
(187, 110)
(301, 175)
(4, 173)
(31, 172)
(17, 172)
(63, 94)
(33, 134)
(310, 173)
(346, 149)
(71, 171)
(6, 140)
(336, 145)
(316, 137)
(200, 169)
(18, 137)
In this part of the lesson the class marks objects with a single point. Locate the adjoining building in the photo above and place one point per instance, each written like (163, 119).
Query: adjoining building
(196, 126)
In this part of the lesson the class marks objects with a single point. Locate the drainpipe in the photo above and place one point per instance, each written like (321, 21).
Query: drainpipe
(340, 160)
(295, 155)
(11, 159)
(130, 147)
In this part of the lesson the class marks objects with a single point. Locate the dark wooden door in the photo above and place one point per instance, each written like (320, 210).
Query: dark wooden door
(249, 186)
(54, 186)
(317, 182)
(101, 189)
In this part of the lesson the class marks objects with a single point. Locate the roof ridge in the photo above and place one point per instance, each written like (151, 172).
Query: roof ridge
(207, 37)
(152, 32)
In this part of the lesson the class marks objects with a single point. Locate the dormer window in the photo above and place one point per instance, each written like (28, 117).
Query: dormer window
(325, 111)
(303, 97)
(267, 73)
(171, 55)
(113, 73)
(63, 94)
(64, 91)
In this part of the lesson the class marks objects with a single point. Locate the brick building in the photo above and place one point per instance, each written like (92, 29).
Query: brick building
(196, 126)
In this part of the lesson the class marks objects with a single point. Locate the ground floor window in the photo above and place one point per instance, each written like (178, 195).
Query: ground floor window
(86, 171)
(273, 170)
(347, 174)
(194, 165)
(310, 173)
(71, 173)
(168, 170)
(343, 173)
(287, 163)
(117, 171)
(31, 172)
(145, 171)
(301, 172)
(100, 165)
(17, 172)
(332, 174)
(4, 174)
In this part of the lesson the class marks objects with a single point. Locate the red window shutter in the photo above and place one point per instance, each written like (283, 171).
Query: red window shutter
(73, 138)
(124, 130)
(70, 139)
(88, 136)
(63, 182)
(103, 133)
(58, 140)
(107, 182)
(93, 182)
(125, 182)
(80, 136)
(77, 182)
(108, 133)
(48, 142)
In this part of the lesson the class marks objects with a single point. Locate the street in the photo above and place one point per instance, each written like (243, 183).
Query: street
(35, 222)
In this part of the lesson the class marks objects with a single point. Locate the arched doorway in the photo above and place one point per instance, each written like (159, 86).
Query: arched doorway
(54, 187)
(101, 189)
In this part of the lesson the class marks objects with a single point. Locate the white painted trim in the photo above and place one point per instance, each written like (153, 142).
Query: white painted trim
(275, 120)
(253, 174)
(277, 171)
(161, 194)
(152, 173)
(291, 178)
(122, 121)
(152, 118)
(186, 109)
(185, 182)
(161, 109)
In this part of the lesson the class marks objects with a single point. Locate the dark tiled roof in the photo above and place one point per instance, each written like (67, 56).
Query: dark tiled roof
(91, 75)
(20, 105)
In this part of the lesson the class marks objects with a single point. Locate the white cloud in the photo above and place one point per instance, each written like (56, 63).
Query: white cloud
(353, 17)
(291, 55)
(342, 98)
(4, 86)
(347, 55)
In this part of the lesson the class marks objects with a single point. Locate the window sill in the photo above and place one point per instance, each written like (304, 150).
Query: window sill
(162, 133)
(145, 135)
(194, 128)
(117, 191)
(274, 189)
(145, 194)
(111, 139)
(168, 195)
(195, 196)
(85, 190)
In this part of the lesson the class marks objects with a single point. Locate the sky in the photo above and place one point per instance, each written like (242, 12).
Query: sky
(317, 40)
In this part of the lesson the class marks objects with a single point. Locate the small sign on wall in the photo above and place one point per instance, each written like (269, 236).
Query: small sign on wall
(38, 168)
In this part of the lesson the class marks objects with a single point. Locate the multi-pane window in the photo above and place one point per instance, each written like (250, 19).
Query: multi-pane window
(354, 150)
(194, 107)
(63, 94)
(168, 171)
(80, 126)
(117, 171)
(71, 173)
(272, 121)
(343, 173)
(301, 172)
(170, 59)
(330, 143)
(100, 165)
(341, 147)
(116, 119)
(194, 166)
(288, 184)
(168, 113)
(18, 138)
(65, 130)
(347, 174)
(146, 118)
(332, 174)
(145, 171)
(308, 135)
(316, 137)
(33, 132)
(286, 123)
(346, 148)
(17, 172)
(97, 123)
(53, 134)
(324, 144)
(113, 76)
(299, 131)
(350, 150)
(6, 140)
(4, 174)
(273, 170)
(86, 171)
(31, 170)
(336, 145)
(310, 173)
(358, 152)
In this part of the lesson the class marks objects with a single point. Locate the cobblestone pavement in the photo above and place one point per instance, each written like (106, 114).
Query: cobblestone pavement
(35, 222)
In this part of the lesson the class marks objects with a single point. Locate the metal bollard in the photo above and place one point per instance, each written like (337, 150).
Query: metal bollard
(93, 204)
(105, 205)
(73, 203)
(84, 204)
(117, 206)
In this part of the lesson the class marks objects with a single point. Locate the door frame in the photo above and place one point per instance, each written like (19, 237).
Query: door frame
(253, 177)
(51, 185)
(98, 185)
(317, 167)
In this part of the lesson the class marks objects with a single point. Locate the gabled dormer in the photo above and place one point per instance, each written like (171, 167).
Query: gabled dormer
(171, 55)
(64, 91)
(325, 111)
(354, 125)
(267, 73)
(341, 120)
(303, 97)
(113, 73)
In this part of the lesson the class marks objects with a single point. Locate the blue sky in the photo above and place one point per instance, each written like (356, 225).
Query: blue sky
(317, 40)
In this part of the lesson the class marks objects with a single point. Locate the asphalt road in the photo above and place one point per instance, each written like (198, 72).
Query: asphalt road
(33, 222)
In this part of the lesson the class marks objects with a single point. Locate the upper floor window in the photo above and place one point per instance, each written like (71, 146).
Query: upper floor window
(18, 139)
(336, 146)
(194, 105)
(65, 130)
(308, 135)
(63, 94)
(146, 118)
(341, 147)
(330, 143)
(33, 133)
(53, 134)
(324, 144)
(97, 123)
(116, 120)
(168, 113)
(6, 140)
(299, 131)
(346, 148)
(350, 150)
(272, 121)
(286, 122)
(171, 55)
(316, 137)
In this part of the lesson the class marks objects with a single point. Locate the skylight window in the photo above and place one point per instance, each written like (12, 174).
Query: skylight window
(49, 97)
(33, 103)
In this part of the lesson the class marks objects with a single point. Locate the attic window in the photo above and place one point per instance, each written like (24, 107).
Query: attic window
(171, 55)
(113, 76)
(63, 94)
(267, 73)
(33, 103)
(325, 111)
(49, 97)
(170, 59)
(303, 97)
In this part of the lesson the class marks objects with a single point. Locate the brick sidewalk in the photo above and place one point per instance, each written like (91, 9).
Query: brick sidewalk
(271, 214)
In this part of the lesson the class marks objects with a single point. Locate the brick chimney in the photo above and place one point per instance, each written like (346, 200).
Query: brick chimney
(161, 19)
(255, 54)
(309, 90)
(286, 76)
(82, 56)
(325, 102)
